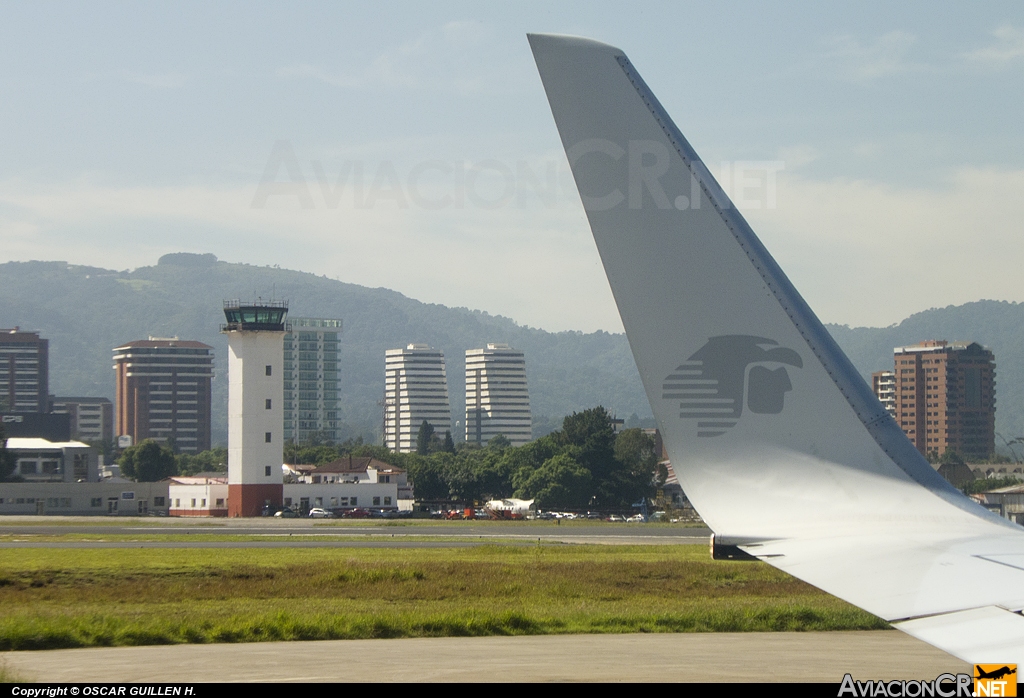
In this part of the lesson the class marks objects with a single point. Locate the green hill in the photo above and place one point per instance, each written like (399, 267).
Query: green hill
(86, 311)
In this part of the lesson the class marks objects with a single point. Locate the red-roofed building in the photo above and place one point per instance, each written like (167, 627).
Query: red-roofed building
(347, 483)
(205, 494)
(362, 470)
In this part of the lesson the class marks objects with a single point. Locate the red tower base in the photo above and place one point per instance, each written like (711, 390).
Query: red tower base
(249, 500)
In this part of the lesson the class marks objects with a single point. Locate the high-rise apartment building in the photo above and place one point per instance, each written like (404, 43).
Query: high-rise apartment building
(92, 418)
(163, 392)
(415, 391)
(945, 397)
(883, 383)
(311, 379)
(497, 399)
(24, 371)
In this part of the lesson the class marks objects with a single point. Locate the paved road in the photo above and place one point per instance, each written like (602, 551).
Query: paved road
(713, 657)
(277, 531)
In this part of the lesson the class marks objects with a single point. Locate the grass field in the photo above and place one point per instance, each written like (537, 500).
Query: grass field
(52, 598)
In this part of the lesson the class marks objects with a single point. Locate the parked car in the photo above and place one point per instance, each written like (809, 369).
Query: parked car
(318, 513)
(285, 514)
(616, 518)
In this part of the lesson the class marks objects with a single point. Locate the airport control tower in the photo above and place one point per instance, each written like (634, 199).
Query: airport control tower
(255, 404)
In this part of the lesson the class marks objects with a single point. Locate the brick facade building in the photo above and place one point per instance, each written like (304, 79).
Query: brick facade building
(945, 397)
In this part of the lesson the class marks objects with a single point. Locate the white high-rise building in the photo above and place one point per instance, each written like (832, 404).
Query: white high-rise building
(415, 390)
(497, 400)
(255, 405)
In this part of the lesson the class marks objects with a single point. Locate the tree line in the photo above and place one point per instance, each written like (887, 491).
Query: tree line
(151, 461)
(584, 465)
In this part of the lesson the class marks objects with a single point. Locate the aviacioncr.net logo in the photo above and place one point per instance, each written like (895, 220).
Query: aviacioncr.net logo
(729, 371)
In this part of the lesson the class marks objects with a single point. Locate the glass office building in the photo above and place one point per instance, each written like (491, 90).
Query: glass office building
(311, 379)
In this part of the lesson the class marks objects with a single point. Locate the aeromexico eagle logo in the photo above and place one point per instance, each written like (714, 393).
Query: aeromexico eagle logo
(713, 384)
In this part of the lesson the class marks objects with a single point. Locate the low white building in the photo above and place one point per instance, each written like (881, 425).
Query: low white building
(347, 483)
(302, 497)
(205, 494)
(84, 498)
(39, 460)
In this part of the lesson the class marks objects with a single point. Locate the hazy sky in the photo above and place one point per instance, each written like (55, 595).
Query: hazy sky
(418, 151)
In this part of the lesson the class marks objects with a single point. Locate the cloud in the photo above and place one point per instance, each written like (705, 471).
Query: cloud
(865, 62)
(861, 252)
(798, 155)
(865, 253)
(508, 260)
(159, 81)
(1008, 45)
(305, 70)
(446, 58)
(465, 33)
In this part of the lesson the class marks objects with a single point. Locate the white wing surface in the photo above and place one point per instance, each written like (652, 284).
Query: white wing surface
(775, 437)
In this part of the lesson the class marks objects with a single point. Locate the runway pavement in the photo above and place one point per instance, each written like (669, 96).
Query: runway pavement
(18, 532)
(694, 657)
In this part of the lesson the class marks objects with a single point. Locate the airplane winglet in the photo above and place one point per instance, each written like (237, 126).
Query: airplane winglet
(771, 430)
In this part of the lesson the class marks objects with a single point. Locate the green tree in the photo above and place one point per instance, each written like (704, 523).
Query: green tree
(590, 440)
(350, 444)
(591, 428)
(985, 484)
(213, 461)
(499, 442)
(381, 453)
(305, 454)
(424, 437)
(951, 457)
(449, 445)
(318, 438)
(517, 464)
(461, 472)
(560, 483)
(493, 472)
(427, 477)
(636, 451)
(147, 462)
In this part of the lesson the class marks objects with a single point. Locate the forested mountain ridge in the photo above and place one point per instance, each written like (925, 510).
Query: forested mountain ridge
(86, 311)
(998, 325)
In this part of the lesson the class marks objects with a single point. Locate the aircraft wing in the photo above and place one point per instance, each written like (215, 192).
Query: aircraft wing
(774, 436)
